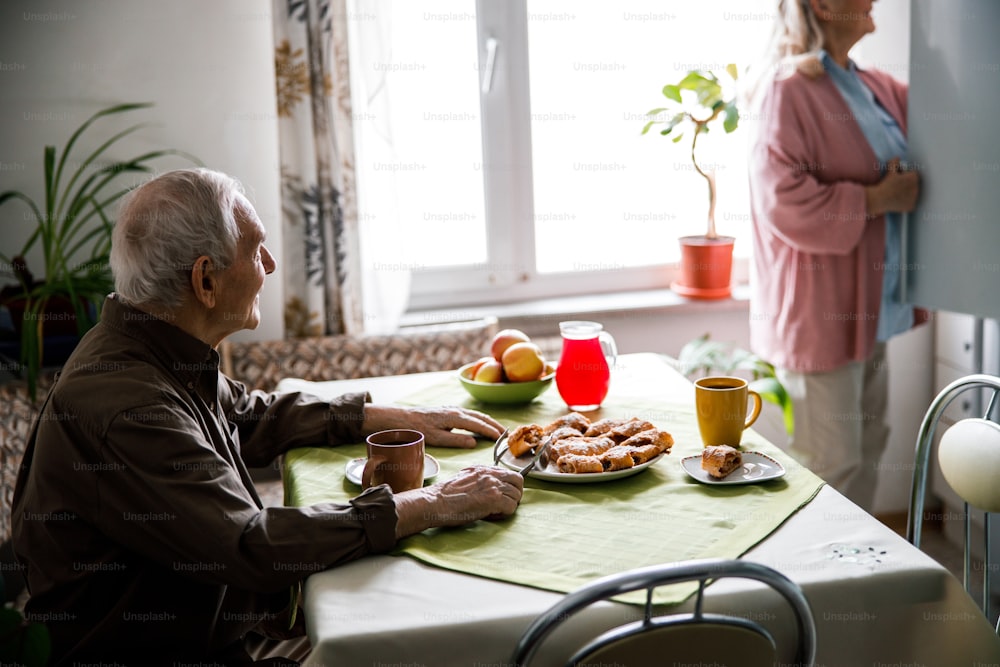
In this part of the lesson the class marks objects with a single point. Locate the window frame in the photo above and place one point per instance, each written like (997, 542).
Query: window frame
(509, 274)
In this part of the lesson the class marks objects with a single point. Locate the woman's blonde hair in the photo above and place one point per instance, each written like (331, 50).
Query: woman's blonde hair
(794, 46)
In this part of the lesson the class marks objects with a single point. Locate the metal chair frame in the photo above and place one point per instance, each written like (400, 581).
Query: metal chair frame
(648, 579)
(918, 489)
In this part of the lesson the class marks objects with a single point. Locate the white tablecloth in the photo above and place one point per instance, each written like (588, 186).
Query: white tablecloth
(876, 599)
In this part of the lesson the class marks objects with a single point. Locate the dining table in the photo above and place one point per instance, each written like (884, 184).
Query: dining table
(464, 596)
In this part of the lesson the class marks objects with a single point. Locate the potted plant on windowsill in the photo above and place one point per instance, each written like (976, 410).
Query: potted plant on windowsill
(71, 227)
(702, 356)
(699, 101)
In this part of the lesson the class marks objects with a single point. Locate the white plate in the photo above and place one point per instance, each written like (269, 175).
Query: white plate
(355, 467)
(756, 467)
(550, 474)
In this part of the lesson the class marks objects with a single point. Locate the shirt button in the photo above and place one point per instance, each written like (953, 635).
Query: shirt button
(191, 386)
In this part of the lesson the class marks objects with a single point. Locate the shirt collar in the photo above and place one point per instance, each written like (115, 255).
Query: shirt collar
(186, 356)
(829, 63)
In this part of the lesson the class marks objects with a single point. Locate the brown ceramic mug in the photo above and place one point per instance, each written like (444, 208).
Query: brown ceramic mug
(721, 402)
(396, 458)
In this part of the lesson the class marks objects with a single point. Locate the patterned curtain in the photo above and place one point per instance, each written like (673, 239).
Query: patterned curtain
(321, 257)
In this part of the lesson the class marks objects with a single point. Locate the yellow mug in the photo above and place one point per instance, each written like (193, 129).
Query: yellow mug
(721, 402)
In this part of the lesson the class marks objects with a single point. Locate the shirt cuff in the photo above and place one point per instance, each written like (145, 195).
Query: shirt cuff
(346, 416)
(377, 513)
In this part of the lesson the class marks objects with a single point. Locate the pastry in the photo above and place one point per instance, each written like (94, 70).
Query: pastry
(576, 463)
(580, 446)
(524, 438)
(573, 420)
(720, 460)
(625, 431)
(617, 458)
(563, 432)
(644, 453)
(653, 436)
(574, 444)
(603, 426)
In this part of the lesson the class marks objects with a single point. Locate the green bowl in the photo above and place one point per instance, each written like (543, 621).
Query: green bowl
(507, 393)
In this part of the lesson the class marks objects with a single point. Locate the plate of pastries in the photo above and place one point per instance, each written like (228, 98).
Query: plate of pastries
(576, 450)
(722, 464)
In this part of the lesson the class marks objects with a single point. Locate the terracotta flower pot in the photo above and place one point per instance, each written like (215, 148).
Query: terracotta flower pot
(706, 267)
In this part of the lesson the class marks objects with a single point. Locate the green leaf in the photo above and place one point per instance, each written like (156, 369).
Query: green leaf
(731, 119)
(694, 80)
(771, 390)
(23, 642)
(672, 92)
(645, 128)
(732, 71)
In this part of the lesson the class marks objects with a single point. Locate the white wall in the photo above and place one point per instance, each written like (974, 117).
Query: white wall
(207, 66)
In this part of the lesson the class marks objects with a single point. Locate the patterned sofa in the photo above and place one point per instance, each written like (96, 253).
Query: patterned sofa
(17, 412)
(437, 347)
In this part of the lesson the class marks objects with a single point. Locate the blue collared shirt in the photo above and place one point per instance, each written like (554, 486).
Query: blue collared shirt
(887, 141)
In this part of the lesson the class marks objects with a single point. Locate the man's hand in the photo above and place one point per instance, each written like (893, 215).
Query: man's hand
(477, 492)
(435, 423)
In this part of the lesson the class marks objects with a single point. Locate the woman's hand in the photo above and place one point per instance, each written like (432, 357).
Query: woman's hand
(477, 492)
(897, 191)
(435, 423)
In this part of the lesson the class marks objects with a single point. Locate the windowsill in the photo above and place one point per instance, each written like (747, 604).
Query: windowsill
(663, 301)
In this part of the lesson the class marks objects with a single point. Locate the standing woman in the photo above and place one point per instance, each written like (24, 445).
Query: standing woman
(827, 192)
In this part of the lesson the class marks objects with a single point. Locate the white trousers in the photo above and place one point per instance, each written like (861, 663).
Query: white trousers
(840, 430)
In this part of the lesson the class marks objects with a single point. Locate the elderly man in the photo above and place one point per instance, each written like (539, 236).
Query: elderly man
(143, 538)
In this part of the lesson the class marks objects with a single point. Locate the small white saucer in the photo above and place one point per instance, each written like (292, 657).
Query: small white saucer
(756, 467)
(354, 468)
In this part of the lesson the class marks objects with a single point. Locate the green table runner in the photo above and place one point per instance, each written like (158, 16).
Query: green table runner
(565, 535)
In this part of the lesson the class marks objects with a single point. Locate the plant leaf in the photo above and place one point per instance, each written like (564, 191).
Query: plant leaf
(118, 108)
(732, 71)
(732, 117)
(672, 92)
(774, 392)
(694, 80)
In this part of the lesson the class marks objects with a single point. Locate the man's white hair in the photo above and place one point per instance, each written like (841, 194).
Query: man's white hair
(164, 225)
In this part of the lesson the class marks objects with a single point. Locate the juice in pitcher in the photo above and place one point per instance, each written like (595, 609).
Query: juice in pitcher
(583, 375)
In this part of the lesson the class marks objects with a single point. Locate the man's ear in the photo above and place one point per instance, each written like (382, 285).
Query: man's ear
(204, 281)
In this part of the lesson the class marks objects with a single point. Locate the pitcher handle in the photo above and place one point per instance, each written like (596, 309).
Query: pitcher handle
(609, 347)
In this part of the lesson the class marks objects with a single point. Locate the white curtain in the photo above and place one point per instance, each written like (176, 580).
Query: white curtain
(386, 264)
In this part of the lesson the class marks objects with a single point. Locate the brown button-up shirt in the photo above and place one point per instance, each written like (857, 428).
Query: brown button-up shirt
(134, 513)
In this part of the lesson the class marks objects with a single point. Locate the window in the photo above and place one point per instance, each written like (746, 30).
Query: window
(509, 131)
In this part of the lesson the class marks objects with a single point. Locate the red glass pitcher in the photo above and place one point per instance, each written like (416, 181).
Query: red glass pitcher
(583, 375)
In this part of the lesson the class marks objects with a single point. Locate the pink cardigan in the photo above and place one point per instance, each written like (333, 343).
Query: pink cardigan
(817, 276)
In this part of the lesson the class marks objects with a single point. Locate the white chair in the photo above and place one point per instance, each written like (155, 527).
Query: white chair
(694, 637)
(969, 456)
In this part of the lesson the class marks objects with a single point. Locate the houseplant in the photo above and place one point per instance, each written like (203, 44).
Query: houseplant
(702, 356)
(699, 101)
(71, 228)
(22, 642)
